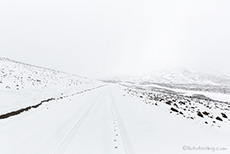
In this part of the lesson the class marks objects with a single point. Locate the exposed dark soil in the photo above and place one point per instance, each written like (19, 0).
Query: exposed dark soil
(14, 113)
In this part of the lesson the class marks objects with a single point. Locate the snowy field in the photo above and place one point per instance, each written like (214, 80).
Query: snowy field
(104, 121)
(90, 117)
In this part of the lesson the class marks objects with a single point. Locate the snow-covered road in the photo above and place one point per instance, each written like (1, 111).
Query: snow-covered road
(106, 121)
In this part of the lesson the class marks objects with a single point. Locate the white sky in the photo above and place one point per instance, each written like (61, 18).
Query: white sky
(99, 38)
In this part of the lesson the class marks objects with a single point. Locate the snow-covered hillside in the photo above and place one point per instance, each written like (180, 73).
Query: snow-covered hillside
(68, 114)
(23, 85)
(195, 107)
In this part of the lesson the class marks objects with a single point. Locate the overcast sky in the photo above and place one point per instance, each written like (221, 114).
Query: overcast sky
(99, 38)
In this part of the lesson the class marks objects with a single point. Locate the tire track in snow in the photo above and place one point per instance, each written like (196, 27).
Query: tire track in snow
(123, 135)
(70, 135)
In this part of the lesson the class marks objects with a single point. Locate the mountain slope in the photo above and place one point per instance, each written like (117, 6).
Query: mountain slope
(186, 76)
(23, 85)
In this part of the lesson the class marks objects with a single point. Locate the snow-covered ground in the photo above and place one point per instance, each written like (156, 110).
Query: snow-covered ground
(86, 116)
(212, 95)
(23, 85)
(108, 120)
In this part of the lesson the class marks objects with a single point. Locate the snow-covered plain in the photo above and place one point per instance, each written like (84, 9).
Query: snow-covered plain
(108, 119)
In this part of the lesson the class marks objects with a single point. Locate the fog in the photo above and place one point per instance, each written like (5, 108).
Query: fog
(101, 38)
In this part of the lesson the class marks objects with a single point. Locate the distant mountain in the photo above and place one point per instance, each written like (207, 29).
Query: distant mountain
(183, 79)
(185, 76)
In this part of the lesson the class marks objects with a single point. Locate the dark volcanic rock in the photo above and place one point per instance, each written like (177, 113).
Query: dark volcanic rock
(224, 115)
(175, 105)
(200, 114)
(205, 113)
(169, 102)
(218, 118)
(182, 103)
(174, 110)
